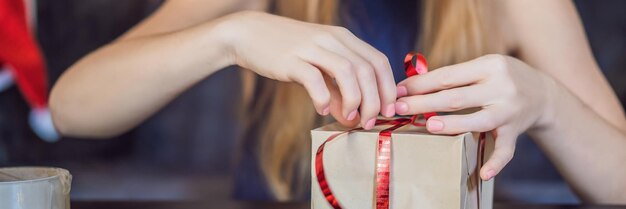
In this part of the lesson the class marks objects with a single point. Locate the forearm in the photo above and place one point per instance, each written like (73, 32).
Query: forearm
(587, 150)
(116, 87)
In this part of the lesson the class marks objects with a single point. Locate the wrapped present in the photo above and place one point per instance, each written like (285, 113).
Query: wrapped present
(399, 164)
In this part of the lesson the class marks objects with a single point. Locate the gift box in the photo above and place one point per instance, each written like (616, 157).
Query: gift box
(398, 164)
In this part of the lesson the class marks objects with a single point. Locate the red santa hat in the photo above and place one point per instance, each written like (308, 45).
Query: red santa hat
(22, 62)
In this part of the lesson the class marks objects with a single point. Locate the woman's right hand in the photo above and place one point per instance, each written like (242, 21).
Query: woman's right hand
(313, 55)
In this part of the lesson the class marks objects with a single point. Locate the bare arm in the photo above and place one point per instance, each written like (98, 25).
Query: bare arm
(584, 135)
(587, 149)
(551, 38)
(155, 61)
(118, 86)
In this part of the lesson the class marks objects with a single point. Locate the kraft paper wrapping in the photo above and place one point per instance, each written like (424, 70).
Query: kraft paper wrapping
(427, 171)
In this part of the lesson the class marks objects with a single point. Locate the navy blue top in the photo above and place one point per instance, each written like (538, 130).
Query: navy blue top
(389, 25)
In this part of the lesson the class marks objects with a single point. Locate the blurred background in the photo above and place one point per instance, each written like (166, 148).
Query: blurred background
(187, 150)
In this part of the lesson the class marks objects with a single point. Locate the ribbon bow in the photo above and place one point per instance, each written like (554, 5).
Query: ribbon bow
(383, 153)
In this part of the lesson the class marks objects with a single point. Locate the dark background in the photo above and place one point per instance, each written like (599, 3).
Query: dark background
(186, 151)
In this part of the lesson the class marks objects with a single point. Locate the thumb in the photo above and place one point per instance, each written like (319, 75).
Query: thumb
(502, 155)
(336, 105)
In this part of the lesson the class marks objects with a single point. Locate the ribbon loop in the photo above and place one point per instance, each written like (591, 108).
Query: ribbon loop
(419, 67)
(415, 64)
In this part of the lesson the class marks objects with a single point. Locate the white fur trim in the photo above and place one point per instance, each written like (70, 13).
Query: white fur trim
(40, 121)
(6, 78)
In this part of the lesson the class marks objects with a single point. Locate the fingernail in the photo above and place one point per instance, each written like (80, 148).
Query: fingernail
(326, 111)
(490, 174)
(370, 124)
(352, 115)
(434, 125)
(401, 107)
(390, 110)
(401, 91)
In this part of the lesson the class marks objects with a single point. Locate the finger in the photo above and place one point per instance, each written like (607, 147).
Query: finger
(481, 121)
(336, 106)
(503, 153)
(340, 69)
(313, 81)
(370, 102)
(382, 68)
(443, 101)
(443, 78)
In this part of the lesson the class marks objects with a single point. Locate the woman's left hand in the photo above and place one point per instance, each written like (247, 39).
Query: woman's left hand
(512, 96)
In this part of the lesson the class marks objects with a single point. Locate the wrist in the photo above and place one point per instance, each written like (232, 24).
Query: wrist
(230, 31)
(221, 33)
(549, 104)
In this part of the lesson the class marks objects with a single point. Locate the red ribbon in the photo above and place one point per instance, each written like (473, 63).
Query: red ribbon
(383, 154)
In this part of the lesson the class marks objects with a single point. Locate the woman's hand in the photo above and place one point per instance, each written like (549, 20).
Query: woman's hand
(312, 55)
(512, 97)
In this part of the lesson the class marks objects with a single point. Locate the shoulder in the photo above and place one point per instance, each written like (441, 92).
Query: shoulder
(522, 23)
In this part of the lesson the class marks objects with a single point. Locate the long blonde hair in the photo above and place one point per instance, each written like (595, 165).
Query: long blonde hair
(452, 32)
